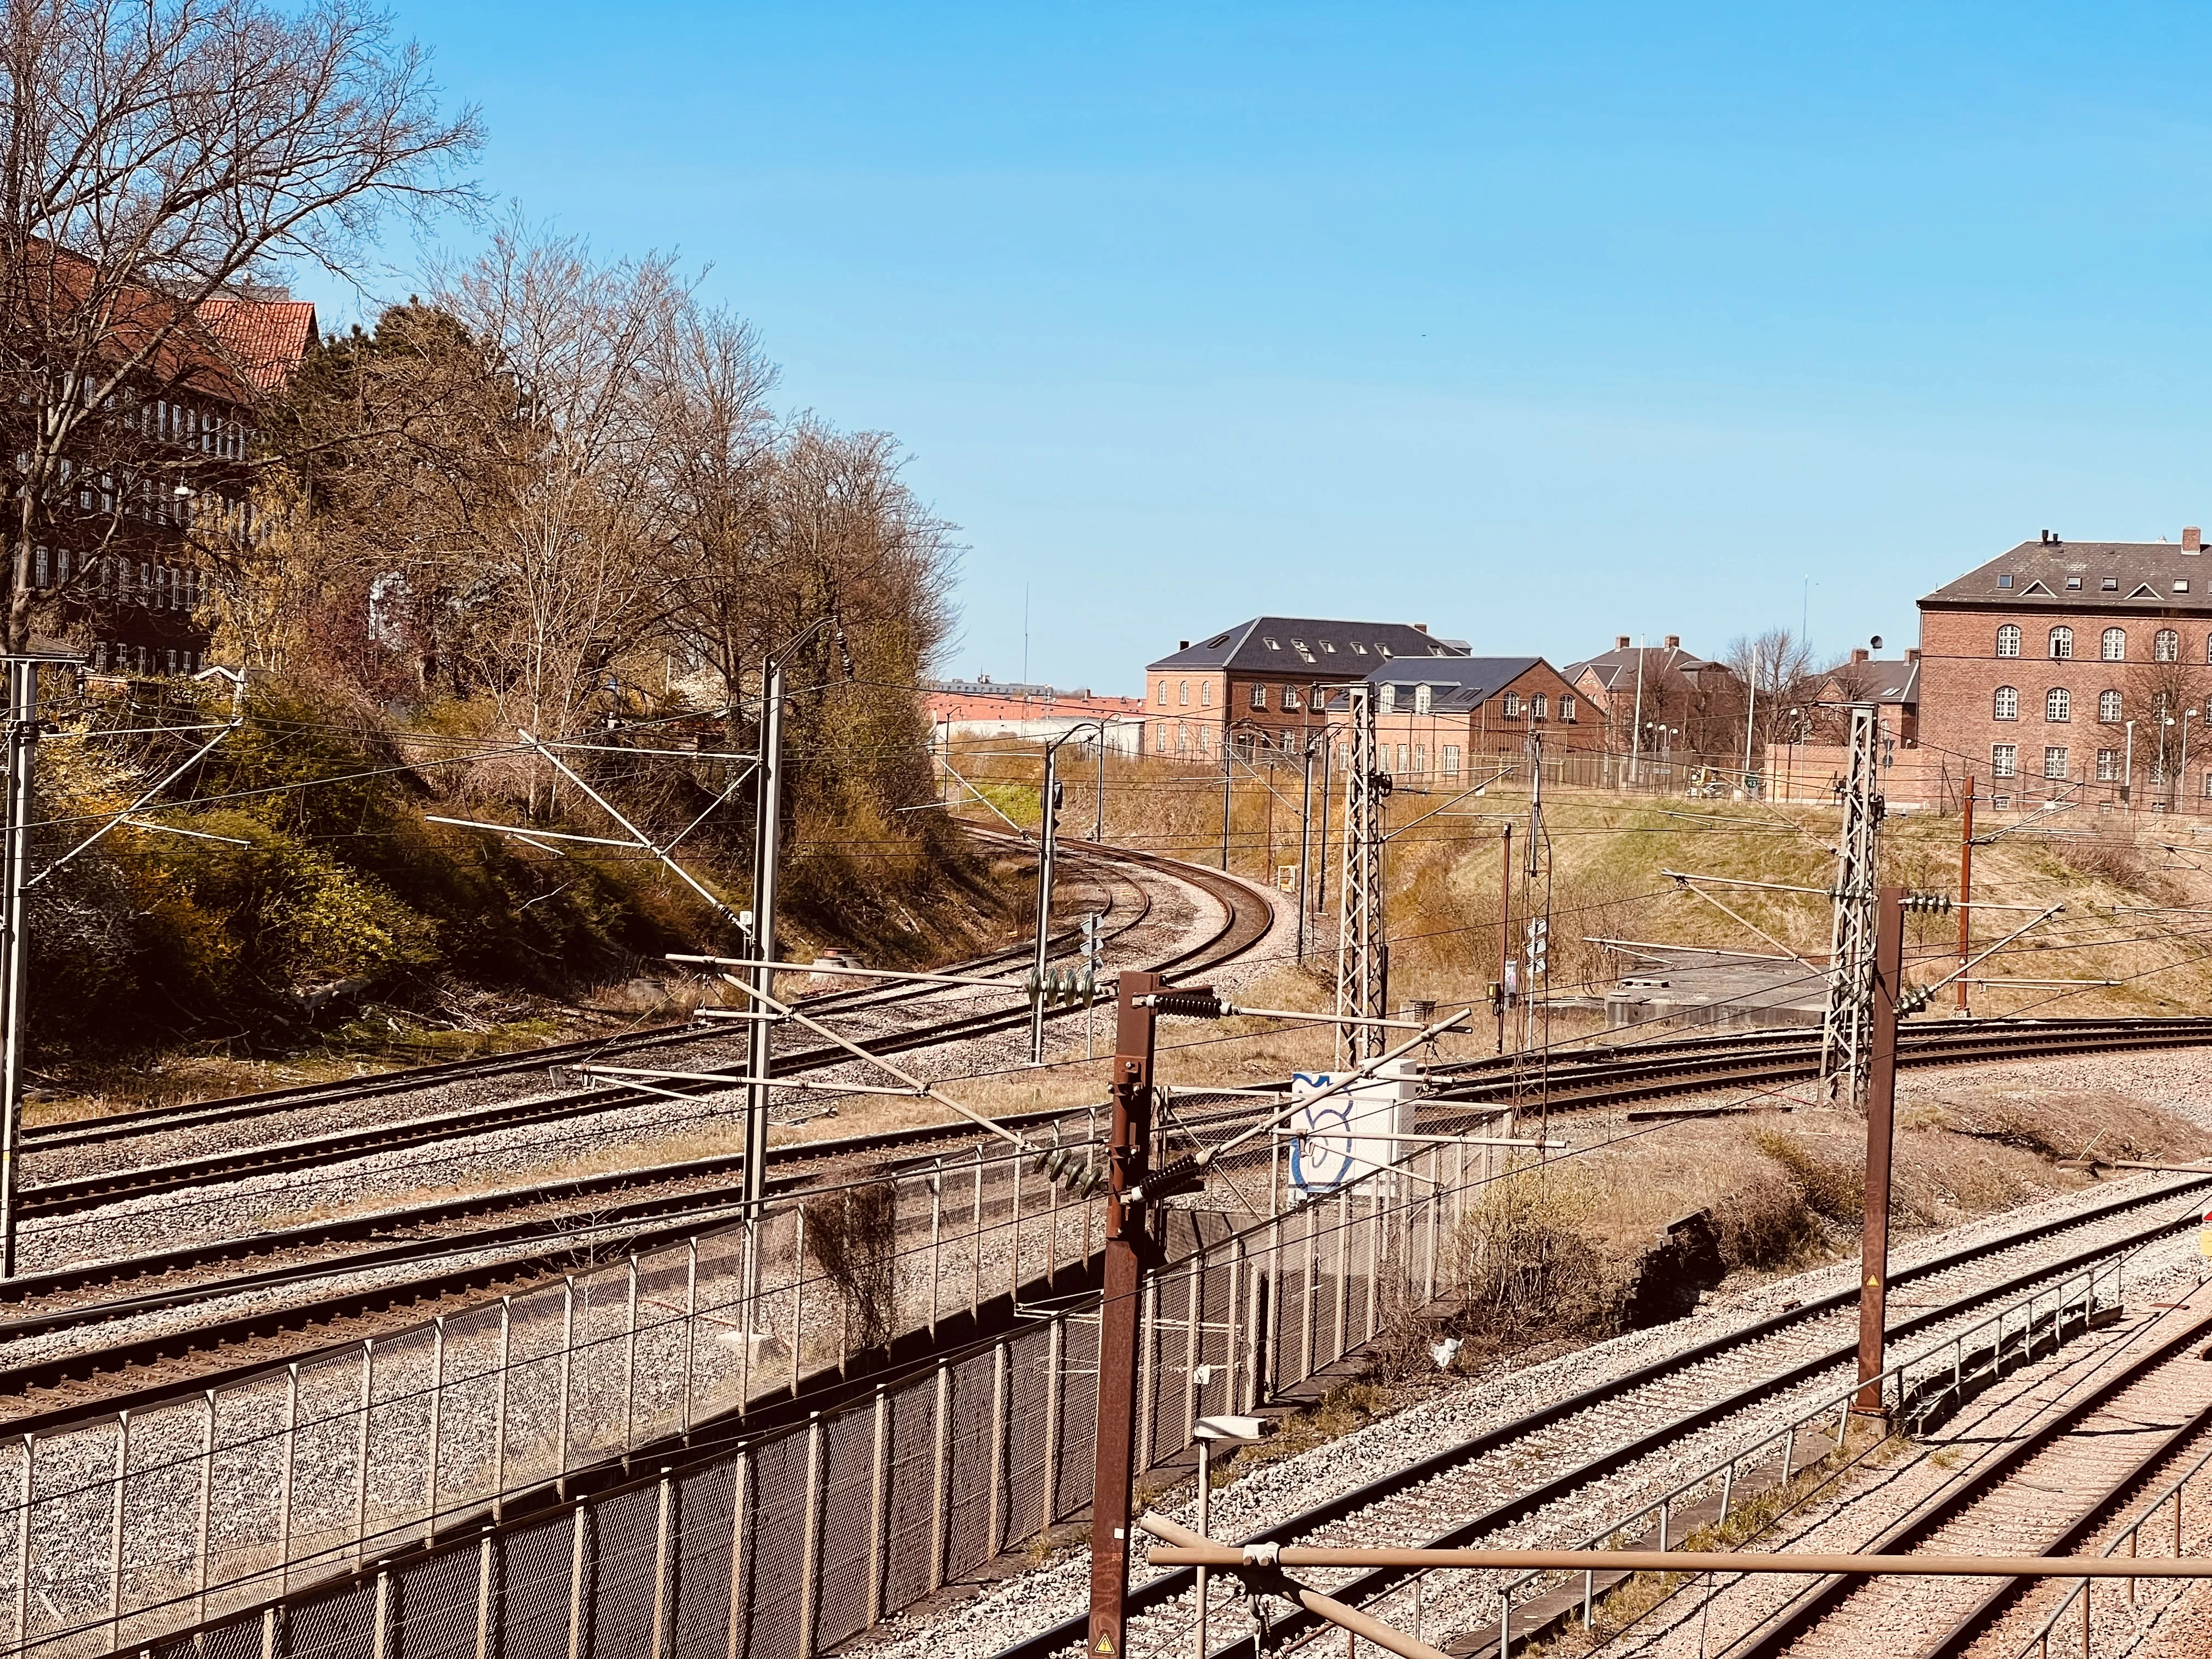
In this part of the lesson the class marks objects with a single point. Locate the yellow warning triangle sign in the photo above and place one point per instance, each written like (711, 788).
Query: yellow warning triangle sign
(1105, 1645)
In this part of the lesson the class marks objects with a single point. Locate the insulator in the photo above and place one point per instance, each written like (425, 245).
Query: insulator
(1191, 1005)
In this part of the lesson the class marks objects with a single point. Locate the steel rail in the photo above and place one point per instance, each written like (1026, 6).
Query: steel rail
(1655, 1439)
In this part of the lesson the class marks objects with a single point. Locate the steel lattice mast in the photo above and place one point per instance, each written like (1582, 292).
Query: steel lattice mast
(1846, 1032)
(1360, 945)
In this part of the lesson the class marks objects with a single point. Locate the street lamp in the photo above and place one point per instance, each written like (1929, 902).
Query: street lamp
(2181, 766)
(1048, 846)
(2128, 768)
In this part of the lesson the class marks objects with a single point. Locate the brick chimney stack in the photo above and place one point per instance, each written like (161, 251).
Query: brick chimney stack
(1859, 654)
(1912, 654)
(1674, 641)
(2192, 539)
(1620, 641)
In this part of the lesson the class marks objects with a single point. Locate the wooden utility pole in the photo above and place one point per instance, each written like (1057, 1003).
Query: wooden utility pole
(1966, 886)
(1132, 1134)
(1881, 1136)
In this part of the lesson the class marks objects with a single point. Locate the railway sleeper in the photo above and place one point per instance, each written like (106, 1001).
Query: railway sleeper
(1925, 1407)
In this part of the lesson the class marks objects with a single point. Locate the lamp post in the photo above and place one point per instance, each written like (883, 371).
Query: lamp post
(1233, 1431)
(2128, 768)
(2181, 765)
(1047, 847)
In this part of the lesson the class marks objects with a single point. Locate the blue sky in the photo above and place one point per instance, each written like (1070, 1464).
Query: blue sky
(1535, 324)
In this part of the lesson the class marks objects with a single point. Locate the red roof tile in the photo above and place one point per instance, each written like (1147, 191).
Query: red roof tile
(264, 340)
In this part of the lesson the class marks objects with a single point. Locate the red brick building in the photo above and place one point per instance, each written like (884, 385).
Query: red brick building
(1689, 705)
(1435, 721)
(1259, 680)
(2065, 670)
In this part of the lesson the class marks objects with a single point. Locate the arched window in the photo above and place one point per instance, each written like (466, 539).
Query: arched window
(1163, 694)
(2008, 704)
(2057, 704)
(1421, 695)
(1182, 693)
(2009, 641)
(2061, 643)
(2114, 646)
(2166, 646)
(2108, 708)
(1206, 694)
(1536, 705)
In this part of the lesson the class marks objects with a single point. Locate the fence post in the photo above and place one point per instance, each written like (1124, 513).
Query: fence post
(1343, 1271)
(1148, 1369)
(1233, 1343)
(499, 1412)
(740, 1485)
(115, 1531)
(1013, 1167)
(975, 1248)
(810, 1558)
(661, 1604)
(879, 1508)
(940, 1479)
(380, 1637)
(437, 1427)
(798, 1290)
(284, 1484)
(483, 1595)
(936, 1238)
(1193, 1308)
(23, 1540)
(995, 1511)
(630, 1360)
(361, 1451)
(561, 1407)
(576, 1583)
(1055, 1363)
(1309, 1314)
(690, 1324)
(749, 1300)
(199, 1514)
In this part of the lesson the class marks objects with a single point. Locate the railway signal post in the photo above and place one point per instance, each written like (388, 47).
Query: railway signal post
(1135, 1029)
(1881, 1136)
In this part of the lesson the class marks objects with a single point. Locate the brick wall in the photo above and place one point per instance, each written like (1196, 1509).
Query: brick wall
(1961, 676)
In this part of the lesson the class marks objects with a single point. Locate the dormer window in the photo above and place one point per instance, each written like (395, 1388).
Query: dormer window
(2111, 584)
(2004, 580)
(1421, 700)
(1388, 704)
(2073, 581)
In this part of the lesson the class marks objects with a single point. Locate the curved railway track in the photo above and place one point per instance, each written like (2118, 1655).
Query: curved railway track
(1246, 918)
(1494, 1479)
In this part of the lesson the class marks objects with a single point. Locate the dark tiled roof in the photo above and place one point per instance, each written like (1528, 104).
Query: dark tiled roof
(1878, 680)
(1611, 665)
(1454, 682)
(1338, 650)
(2142, 575)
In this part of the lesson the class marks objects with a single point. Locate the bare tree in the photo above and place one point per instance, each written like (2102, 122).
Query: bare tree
(160, 155)
(2166, 700)
(1775, 671)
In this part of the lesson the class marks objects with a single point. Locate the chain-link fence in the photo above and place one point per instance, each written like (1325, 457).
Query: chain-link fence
(291, 1494)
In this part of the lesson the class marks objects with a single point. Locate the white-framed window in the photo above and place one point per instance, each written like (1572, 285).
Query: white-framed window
(1423, 701)
(2009, 640)
(2061, 643)
(1291, 697)
(1566, 708)
(1358, 649)
(1536, 705)
(2057, 704)
(2004, 760)
(1401, 757)
(2113, 647)
(1160, 728)
(2054, 762)
(2002, 803)
(1512, 705)
(2207, 785)
(2005, 706)
(2166, 646)
(1388, 703)
(1269, 643)
(1420, 758)
(1259, 696)
(1182, 693)
(1451, 759)
(1204, 740)
(2109, 706)
(2108, 765)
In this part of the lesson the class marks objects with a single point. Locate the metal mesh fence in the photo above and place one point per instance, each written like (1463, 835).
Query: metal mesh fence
(294, 1484)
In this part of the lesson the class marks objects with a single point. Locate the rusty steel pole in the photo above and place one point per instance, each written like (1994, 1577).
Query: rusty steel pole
(1965, 887)
(1132, 1134)
(1881, 1139)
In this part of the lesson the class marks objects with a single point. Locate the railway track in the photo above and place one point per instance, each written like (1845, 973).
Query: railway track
(1246, 918)
(1492, 1483)
(467, 1246)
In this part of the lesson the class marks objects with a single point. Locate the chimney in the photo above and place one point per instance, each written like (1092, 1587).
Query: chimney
(2192, 539)
(1912, 654)
(1620, 641)
(1421, 627)
(1858, 654)
(1674, 641)
(1182, 645)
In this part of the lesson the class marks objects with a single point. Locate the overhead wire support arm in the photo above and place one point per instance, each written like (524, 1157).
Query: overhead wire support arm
(1688, 885)
(1919, 998)
(145, 798)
